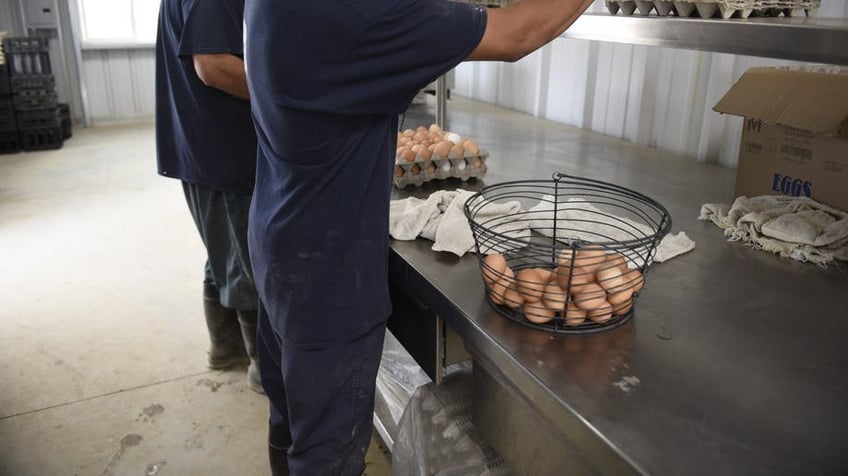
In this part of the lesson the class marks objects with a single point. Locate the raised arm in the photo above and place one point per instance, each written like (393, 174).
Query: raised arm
(517, 30)
(222, 71)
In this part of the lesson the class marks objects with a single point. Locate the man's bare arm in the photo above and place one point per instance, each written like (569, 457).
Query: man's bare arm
(517, 30)
(222, 71)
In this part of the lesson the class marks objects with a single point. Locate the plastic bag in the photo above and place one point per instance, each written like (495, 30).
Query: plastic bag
(436, 436)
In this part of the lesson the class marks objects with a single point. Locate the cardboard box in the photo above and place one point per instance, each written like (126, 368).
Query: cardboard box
(795, 134)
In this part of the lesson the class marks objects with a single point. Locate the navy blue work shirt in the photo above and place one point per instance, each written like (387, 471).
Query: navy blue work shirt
(328, 80)
(203, 135)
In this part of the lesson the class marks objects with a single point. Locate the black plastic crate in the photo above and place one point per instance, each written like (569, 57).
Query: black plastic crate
(7, 115)
(39, 119)
(28, 63)
(32, 81)
(10, 142)
(41, 139)
(5, 85)
(26, 44)
(65, 120)
(35, 100)
(27, 55)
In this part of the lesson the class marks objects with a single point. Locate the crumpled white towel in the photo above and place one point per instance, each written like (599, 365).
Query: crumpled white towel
(578, 219)
(796, 227)
(441, 218)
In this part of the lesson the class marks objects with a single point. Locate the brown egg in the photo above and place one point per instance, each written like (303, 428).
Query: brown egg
(634, 280)
(537, 313)
(442, 149)
(545, 273)
(499, 287)
(574, 316)
(553, 297)
(435, 128)
(415, 169)
(430, 168)
(616, 260)
(456, 151)
(590, 297)
(419, 137)
(512, 297)
(408, 133)
(398, 171)
(620, 297)
(493, 268)
(421, 129)
(565, 257)
(476, 163)
(530, 285)
(408, 155)
(601, 314)
(416, 148)
(425, 154)
(579, 278)
(590, 257)
(610, 278)
(470, 148)
(622, 308)
(435, 136)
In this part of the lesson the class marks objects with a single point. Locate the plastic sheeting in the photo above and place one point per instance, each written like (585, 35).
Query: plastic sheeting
(398, 377)
(436, 436)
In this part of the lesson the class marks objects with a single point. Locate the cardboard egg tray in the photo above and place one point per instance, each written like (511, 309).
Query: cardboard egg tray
(463, 168)
(710, 8)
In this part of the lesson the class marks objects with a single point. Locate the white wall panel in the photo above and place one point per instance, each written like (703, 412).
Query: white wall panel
(11, 20)
(567, 80)
(120, 84)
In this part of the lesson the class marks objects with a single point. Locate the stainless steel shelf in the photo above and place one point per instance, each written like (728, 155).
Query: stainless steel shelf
(817, 40)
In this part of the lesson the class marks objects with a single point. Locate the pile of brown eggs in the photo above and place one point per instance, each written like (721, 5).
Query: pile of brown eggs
(424, 154)
(588, 283)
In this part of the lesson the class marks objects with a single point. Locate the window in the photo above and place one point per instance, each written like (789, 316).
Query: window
(118, 22)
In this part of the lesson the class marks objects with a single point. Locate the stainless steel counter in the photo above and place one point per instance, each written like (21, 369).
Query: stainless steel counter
(735, 361)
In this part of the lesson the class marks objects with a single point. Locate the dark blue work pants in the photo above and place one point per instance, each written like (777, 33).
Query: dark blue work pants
(324, 397)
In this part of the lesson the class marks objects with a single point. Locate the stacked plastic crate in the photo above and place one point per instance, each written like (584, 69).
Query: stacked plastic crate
(9, 139)
(33, 89)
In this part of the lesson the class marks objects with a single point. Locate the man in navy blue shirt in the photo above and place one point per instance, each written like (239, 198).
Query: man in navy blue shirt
(328, 80)
(205, 137)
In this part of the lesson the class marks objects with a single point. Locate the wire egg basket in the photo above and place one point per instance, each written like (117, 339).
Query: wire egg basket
(567, 255)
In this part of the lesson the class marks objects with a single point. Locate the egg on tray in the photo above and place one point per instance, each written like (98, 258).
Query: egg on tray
(462, 156)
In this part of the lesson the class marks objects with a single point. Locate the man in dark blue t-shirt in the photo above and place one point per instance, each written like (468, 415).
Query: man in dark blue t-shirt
(328, 80)
(205, 137)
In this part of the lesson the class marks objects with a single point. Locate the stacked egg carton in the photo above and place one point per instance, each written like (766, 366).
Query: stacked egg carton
(426, 154)
(709, 8)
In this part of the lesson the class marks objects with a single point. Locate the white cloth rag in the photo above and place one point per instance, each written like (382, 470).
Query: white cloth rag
(578, 220)
(796, 227)
(441, 218)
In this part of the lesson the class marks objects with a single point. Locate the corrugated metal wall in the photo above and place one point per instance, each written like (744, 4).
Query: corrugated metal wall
(120, 84)
(659, 97)
(11, 20)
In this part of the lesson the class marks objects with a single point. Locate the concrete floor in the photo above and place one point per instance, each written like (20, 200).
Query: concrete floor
(102, 340)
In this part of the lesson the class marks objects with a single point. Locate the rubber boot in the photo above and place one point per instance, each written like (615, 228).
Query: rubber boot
(227, 346)
(247, 320)
(278, 447)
